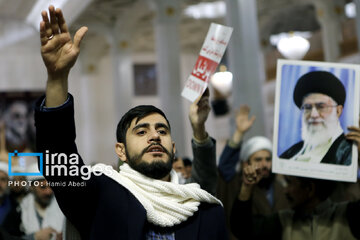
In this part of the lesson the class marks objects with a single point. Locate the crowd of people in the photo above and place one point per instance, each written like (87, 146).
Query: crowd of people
(156, 194)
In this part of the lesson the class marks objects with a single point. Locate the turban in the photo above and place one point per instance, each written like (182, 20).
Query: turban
(319, 82)
(33, 168)
(253, 145)
(4, 167)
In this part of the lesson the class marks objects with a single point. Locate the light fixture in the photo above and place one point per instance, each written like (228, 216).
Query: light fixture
(350, 10)
(293, 46)
(206, 10)
(222, 80)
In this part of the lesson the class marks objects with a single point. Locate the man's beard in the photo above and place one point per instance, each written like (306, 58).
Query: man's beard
(320, 133)
(265, 182)
(157, 169)
(44, 201)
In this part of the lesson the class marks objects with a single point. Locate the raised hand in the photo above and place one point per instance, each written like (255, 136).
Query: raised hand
(251, 174)
(44, 234)
(198, 114)
(354, 135)
(243, 122)
(58, 51)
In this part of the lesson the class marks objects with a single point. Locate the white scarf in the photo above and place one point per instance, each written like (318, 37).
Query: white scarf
(53, 218)
(166, 203)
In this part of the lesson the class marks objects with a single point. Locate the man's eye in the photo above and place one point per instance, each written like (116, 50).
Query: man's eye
(162, 132)
(140, 133)
(320, 105)
(307, 107)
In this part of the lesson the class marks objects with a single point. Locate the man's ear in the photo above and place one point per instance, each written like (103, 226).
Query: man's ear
(120, 151)
(339, 109)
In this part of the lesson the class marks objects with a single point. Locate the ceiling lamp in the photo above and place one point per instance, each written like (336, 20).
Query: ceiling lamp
(293, 47)
(206, 10)
(222, 80)
(350, 10)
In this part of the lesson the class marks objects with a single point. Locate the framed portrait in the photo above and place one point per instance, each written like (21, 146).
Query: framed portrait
(17, 129)
(145, 80)
(315, 102)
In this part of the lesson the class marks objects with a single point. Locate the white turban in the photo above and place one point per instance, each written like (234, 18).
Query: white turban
(4, 167)
(253, 145)
(33, 168)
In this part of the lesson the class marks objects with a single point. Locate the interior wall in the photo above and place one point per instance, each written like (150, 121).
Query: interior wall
(90, 82)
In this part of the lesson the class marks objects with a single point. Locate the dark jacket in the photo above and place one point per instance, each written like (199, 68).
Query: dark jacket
(104, 209)
(340, 152)
(328, 220)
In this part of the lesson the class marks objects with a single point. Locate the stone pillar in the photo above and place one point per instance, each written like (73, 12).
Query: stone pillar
(123, 77)
(167, 47)
(357, 3)
(329, 13)
(246, 61)
(94, 100)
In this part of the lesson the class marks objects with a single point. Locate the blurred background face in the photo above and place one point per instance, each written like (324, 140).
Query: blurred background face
(263, 159)
(178, 166)
(16, 125)
(295, 192)
(17, 187)
(3, 183)
(43, 193)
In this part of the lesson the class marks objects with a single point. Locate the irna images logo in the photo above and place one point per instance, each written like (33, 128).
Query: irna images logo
(58, 165)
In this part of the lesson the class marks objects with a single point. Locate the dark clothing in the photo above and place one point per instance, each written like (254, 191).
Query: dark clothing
(204, 170)
(5, 236)
(330, 221)
(104, 209)
(230, 184)
(227, 163)
(228, 160)
(340, 151)
(6, 206)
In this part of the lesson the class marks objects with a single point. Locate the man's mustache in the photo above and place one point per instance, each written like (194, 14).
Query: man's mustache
(155, 144)
(316, 121)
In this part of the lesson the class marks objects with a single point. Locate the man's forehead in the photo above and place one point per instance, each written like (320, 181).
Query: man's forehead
(317, 97)
(152, 118)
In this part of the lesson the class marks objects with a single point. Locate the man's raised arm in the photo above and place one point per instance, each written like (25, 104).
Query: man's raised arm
(204, 169)
(59, 54)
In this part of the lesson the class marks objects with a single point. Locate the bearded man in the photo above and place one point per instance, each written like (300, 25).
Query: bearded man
(142, 201)
(321, 96)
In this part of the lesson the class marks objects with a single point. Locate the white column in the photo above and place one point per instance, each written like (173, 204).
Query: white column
(329, 13)
(168, 66)
(94, 102)
(357, 3)
(85, 104)
(122, 67)
(246, 60)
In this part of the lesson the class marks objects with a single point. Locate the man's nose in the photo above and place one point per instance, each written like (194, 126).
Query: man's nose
(264, 163)
(314, 112)
(154, 136)
(48, 191)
